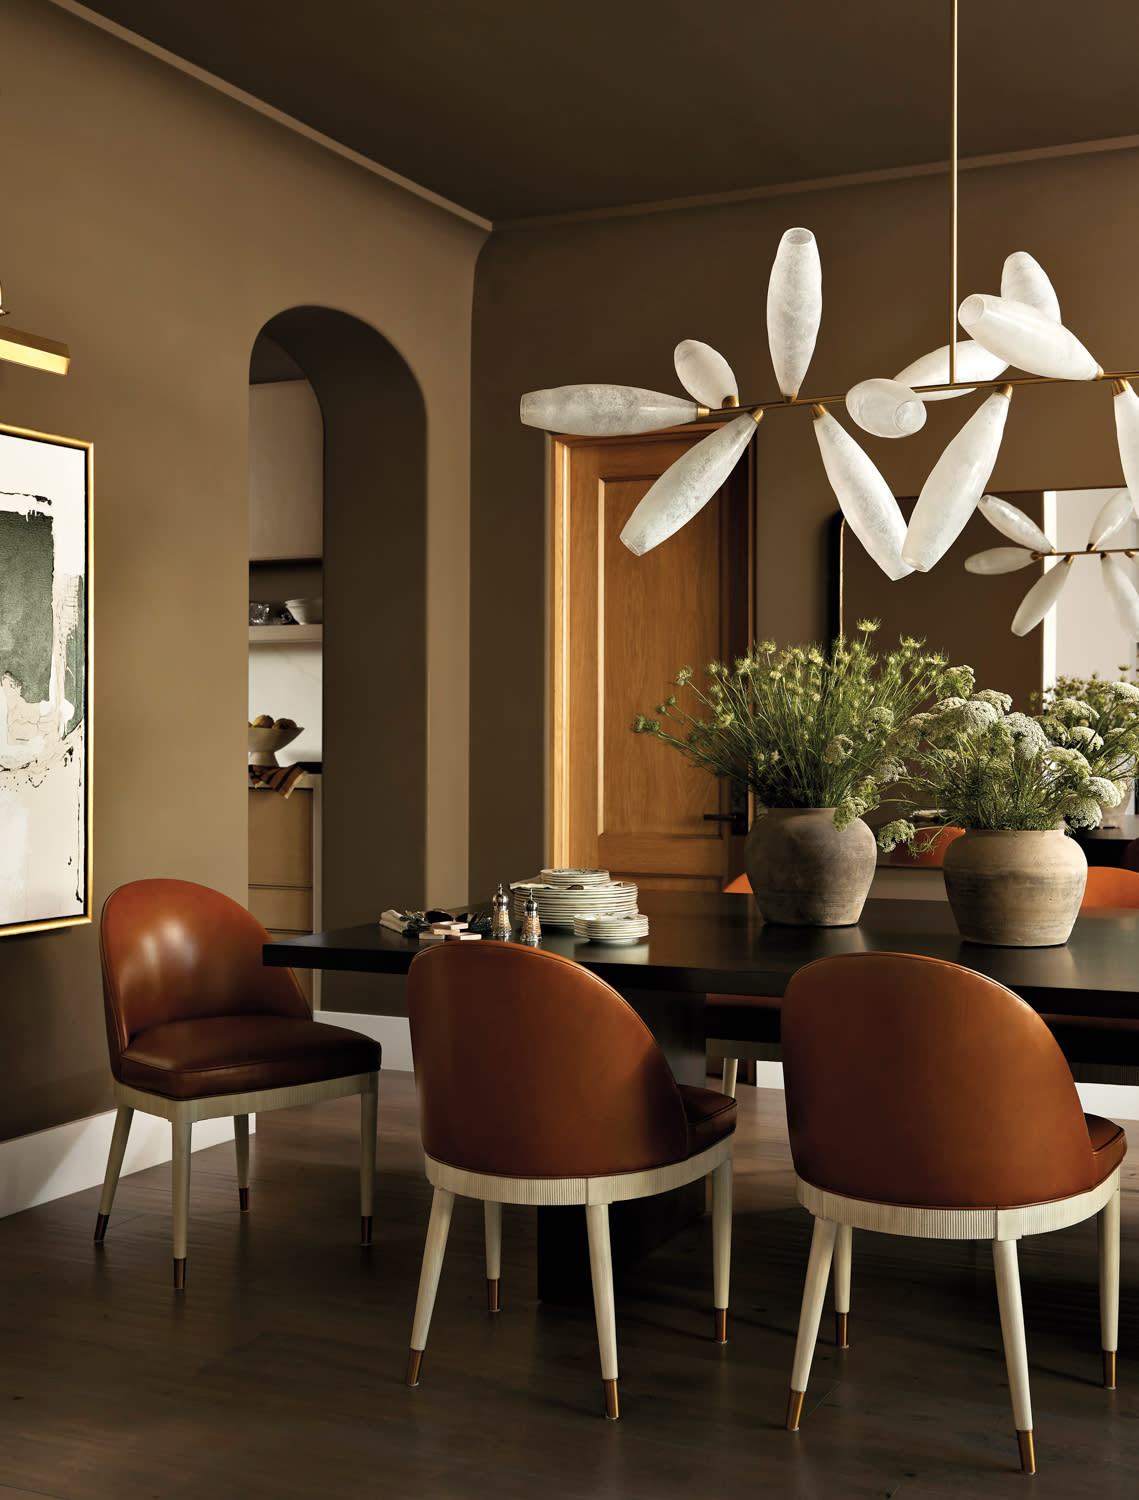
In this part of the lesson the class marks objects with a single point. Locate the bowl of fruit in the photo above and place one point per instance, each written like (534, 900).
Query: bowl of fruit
(267, 735)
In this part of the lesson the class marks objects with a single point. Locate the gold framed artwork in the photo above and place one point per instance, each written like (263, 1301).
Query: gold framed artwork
(45, 681)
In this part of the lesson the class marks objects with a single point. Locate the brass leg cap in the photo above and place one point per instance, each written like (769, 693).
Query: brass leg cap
(492, 1294)
(414, 1360)
(1027, 1452)
(612, 1411)
(794, 1410)
(365, 1229)
(1108, 1366)
(842, 1330)
(243, 1199)
(721, 1325)
(101, 1227)
(180, 1274)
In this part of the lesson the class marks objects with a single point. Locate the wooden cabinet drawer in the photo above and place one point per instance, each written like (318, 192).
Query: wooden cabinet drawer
(280, 838)
(282, 908)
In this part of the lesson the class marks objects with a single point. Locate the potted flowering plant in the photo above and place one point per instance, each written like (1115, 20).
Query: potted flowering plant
(813, 734)
(1016, 784)
(1100, 718)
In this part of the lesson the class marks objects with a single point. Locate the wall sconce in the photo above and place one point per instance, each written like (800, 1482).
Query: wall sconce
(29, 349)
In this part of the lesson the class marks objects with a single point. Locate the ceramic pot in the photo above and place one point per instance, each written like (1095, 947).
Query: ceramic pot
(1015, 890)
(804, 872)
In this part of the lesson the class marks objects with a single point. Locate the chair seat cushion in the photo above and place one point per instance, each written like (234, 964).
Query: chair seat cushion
(240, 1054)
(1109, 1145)
(746, 1018)
(711, 1116)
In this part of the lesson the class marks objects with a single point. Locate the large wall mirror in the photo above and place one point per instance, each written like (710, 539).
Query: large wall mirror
(967, 616)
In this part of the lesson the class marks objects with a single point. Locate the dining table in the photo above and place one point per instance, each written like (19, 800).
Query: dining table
(702, 943)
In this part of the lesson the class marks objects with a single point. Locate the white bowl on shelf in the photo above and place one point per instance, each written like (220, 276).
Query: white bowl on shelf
(306, 611)
(265, 742)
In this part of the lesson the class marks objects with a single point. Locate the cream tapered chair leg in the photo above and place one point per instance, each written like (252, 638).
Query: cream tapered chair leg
(369, 1116)
(433, 1251)
(180, 1184)
(1107, 1224)
(728, 1082)
(601, 1273)
(1016, 1349)
(241, 1145)
(843, 1245)
(814, 1292)
(123, 1118)
(492, 1228)
(721, 1245)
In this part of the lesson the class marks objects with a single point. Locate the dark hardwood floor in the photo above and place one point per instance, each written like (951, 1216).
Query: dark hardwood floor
(279, 1372)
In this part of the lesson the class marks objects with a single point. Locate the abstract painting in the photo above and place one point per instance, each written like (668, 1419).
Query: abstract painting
(45, 681)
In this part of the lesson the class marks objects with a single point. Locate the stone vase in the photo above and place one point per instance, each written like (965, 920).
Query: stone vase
(806, 873)
(1015, 889)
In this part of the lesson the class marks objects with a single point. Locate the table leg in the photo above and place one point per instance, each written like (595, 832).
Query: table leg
(639, 1226)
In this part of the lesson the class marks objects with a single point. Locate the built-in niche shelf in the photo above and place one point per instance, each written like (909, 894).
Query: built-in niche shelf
(286, 635)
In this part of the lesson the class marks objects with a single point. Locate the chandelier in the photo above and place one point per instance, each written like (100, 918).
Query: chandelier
(1020, 328)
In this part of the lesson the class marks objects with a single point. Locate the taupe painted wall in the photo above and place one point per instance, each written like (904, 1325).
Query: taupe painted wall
(156, 227)
(608, 300)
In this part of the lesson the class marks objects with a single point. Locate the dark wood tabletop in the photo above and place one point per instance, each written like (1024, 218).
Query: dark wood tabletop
(706, 943)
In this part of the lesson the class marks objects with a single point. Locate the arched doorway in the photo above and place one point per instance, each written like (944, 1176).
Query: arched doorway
(374, 754)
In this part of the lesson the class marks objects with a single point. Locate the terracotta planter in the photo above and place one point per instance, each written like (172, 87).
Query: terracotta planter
(1015, 890)
(804, 872)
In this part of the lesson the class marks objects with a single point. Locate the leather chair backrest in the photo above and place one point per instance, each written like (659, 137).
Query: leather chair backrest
(175, 951)
(1108, 886)
(910, 1080)
(528, 1065)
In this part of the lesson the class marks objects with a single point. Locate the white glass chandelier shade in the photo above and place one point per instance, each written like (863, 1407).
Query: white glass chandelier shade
(1126, 406)
(885, 408)
(604, 410)
(950, 494)
(1121, 591)
(686, 486)
(1040, 598)
(1023, 280)
(794, 308)
(1012, 522)
(1112, 515)
(999, 560)
(973, 363)
(865, 498)
(705, 374)
(1026, 338)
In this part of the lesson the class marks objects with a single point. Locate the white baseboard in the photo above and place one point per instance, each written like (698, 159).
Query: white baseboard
(68, 1158)
(391, 1032)
(1115, 1101)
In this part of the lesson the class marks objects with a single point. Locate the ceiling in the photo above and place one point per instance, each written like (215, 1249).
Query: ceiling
(522, 108)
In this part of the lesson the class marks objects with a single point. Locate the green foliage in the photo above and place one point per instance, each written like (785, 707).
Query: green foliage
(982, 766)
(805, 726)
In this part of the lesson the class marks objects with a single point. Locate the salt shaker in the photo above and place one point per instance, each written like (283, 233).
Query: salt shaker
(531, 926)
(500, 915)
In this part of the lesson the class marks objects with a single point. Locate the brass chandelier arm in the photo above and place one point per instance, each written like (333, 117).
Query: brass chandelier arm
(784, 404)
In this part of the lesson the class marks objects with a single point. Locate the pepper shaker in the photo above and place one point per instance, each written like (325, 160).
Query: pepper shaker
(531, 926)
(500, 915)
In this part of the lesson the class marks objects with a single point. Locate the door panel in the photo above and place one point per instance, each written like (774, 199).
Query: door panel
(623, 626)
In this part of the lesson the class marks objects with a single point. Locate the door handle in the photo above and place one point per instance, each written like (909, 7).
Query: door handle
(738, 820)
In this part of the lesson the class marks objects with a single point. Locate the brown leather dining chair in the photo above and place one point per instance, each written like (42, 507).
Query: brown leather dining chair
(924, 1099)
(539, 1084)
(198, 1028)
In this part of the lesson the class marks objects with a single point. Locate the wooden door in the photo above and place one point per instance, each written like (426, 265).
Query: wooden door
(623, 626)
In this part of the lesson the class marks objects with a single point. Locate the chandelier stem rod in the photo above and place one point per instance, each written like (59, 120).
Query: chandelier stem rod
(953, 212)
(783, 404)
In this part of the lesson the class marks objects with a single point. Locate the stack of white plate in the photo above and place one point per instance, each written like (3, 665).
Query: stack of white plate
(566, 878)
(612, 927)
(558, 905)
